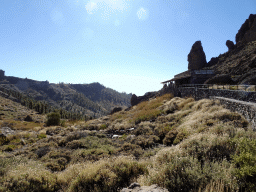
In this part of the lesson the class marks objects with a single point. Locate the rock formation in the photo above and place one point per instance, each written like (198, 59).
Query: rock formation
(116, 109)
(196, 57)
(213, 61)
(220, 79)
(136, 100)
(230, 45)
(247, 32)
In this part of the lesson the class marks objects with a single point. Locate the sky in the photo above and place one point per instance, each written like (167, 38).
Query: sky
(128, 45)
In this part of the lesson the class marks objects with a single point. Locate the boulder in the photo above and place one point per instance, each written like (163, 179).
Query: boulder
(230, 45)
(6, 131)
(196, 57)
(28, 118)
(247, 32)
(135, 187)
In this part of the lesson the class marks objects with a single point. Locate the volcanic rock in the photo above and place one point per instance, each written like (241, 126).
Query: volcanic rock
(230, 45)
(213, 61)
(247, 32)
(220, 79)
(136, 100)
(116, 109)
(196, 57)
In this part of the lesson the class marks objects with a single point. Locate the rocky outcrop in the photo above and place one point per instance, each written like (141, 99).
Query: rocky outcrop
(5, 131)
(230, 45)
(116, 109)
(220, 79)
(136, 100)
(238, 63)
(247, 32)
(135, 187)
(196, 57)
(213, 61)
(248, 78)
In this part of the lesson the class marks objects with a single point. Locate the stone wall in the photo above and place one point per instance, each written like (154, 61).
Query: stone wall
(236, 100)
(201, 93)
(247, 109)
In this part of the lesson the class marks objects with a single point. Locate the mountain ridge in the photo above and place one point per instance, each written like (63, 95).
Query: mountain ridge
(88, 99)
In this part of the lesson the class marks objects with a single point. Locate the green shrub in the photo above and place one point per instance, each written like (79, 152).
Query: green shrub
(170, 137)
(145, 141)
(161, 131)
(53, 119)
(4, 140)
(9, 147)
(183, 134)
(62, 123)
(189, 174)
(245, 161)
(41, 136)
(103, 126)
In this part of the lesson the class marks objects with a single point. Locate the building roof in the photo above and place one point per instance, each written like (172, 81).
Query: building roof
(183, 75)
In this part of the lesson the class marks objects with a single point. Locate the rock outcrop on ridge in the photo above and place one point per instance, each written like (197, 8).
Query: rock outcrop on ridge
(230, 45)
(196, 57)
(247, 32)
(239, 63)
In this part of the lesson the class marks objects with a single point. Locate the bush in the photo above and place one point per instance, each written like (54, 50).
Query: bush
(170, 137)
(53, 119)
(245, 161)
(41, 136)
(108, 175)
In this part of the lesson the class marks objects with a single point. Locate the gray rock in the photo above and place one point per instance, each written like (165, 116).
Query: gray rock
(135, 187)
(6, 131)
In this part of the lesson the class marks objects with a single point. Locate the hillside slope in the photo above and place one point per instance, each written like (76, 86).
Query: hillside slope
(179, 144)
(238, 65)
(88, 99)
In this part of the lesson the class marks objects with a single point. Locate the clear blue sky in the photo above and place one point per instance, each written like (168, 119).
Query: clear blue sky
(127, 45)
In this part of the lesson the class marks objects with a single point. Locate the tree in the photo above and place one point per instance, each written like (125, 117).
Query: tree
(53, 119)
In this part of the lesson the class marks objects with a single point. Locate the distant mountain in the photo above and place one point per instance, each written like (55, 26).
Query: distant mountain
(88, 99)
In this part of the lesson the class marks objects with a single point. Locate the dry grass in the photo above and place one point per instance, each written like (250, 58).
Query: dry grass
(201, 138)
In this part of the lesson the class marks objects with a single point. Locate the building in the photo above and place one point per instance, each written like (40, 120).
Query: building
(191, 77)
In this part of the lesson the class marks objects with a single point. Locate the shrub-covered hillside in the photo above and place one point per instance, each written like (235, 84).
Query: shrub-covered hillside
(92, 99)
(179, 144)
